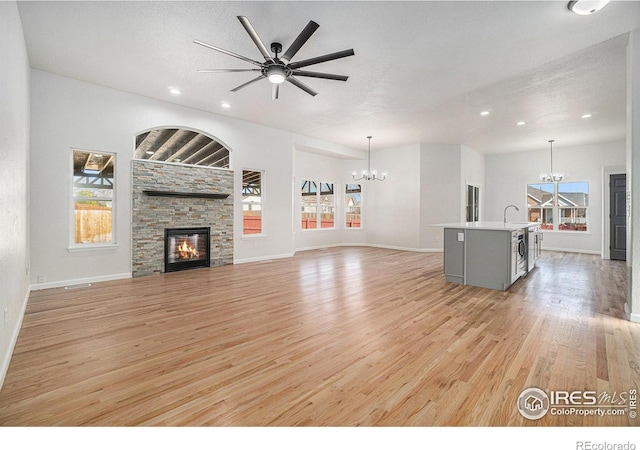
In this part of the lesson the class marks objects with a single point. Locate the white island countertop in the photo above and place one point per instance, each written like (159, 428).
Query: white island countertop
(510, 226)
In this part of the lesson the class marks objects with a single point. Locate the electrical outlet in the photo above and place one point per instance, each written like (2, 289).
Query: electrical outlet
(42, 278)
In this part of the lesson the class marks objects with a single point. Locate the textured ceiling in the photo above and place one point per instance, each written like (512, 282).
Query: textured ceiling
(422, 71)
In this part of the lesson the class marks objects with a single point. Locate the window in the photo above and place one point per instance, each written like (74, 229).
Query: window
(540, 204)
(473, 203)
(327, 205)
(353, 205)
(181, 146)
(568, 201)
(573, 199)
(317, 205)
(93, 197)
(251, 202)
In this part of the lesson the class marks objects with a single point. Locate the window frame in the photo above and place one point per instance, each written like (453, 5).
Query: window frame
(261, 203)
(81, 246)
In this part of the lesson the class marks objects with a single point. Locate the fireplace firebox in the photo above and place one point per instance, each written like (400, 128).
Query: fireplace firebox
(186, 248)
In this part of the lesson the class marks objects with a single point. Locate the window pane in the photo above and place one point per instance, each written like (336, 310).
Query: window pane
(309, 216)
(473, 193)
(573, 194)
(309, 204)
(540, 204)
(251, 202)
(353, 203)
(93, 221)
(327, 217)
(573, 219)
(540, 195)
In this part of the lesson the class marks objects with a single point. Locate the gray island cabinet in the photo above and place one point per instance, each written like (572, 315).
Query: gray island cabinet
(492, 255)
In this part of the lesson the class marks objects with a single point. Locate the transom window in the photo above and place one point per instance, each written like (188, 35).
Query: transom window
(566, 201)
(181, 146)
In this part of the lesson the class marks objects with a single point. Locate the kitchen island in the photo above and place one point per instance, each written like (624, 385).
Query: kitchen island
(493, 255)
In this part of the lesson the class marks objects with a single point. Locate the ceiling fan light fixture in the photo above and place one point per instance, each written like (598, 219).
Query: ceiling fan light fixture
(276, 74)
(586, 7)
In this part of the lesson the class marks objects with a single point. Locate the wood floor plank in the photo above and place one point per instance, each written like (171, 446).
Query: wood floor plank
(345, 336)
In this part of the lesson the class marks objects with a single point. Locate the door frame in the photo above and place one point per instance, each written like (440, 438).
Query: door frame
(607, 171)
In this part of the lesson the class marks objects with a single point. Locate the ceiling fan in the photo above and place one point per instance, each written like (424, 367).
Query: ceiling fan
(278, 69)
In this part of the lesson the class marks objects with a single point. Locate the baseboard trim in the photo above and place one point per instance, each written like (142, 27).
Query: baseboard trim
(388, 247)
(64, 283)
(573, 250)
(262, 258)
(405, 249)
(4, 367)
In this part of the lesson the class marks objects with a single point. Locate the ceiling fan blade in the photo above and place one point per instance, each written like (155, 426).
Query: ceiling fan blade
(302, 86)
(227, 70)
(303, 37)
(275, 90)
(321, 59)
(247, 83)
(227, 52)
(256, 39)
(326, 76)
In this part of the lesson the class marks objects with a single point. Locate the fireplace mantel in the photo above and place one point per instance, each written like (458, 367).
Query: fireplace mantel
(185, 194)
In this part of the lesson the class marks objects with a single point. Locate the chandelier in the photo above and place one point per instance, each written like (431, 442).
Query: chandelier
(368, 174)
(551, 176)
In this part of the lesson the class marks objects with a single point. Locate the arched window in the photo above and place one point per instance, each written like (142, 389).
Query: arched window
(181, 146)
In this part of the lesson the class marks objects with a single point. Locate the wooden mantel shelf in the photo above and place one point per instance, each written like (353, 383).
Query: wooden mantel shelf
(184, 194)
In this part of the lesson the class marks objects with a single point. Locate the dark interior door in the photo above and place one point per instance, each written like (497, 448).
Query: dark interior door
(618, 217)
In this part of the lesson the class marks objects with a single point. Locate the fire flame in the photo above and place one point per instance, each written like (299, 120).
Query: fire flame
(186, 251)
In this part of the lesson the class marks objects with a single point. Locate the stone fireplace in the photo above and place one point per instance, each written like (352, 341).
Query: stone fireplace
(186, 200)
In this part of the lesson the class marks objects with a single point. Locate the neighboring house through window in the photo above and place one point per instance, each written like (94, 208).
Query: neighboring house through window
(566, 201)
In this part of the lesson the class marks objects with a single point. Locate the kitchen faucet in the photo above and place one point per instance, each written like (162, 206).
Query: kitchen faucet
(505, 211)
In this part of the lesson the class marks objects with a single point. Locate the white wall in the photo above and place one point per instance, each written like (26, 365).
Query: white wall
(441, 191)
(391, 208)
(507, 176)
(471, 172)
(67, 113)
(14, 190)
(633, 175)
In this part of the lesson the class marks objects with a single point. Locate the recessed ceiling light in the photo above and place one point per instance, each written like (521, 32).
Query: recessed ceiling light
(225, 105)
(174, 91)
(586, 116)
(522, 122)
(149, 152)
(485, 113)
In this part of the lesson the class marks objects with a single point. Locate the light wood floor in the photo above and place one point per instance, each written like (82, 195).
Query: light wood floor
(339, 337)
